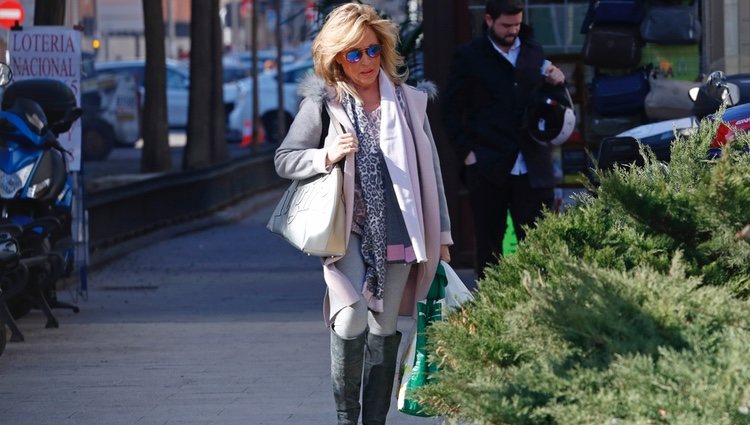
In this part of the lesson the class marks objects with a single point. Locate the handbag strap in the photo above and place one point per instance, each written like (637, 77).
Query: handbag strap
(336, 124)
(326, 121)
(327, 117)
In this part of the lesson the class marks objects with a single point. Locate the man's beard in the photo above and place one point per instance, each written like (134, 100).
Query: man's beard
(500, 41)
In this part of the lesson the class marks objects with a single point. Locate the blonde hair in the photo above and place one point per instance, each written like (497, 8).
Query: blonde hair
(343, 28)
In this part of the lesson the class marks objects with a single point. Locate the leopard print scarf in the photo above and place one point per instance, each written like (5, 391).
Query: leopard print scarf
(369, 165)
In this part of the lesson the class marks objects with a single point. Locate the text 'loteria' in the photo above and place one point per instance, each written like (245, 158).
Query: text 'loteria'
(42, 43)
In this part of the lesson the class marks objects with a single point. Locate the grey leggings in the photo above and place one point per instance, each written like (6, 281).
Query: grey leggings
(353, 320)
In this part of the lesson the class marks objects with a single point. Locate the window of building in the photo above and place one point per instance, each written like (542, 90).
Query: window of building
(556, 24)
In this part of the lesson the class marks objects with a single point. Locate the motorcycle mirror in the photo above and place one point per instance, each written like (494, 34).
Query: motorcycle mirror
(731, 95)
(6, 75)
(693, 93)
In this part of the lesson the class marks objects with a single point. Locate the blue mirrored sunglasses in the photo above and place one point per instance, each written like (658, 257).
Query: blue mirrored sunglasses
(355, 55)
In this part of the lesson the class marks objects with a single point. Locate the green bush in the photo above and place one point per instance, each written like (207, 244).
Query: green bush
(629, 308)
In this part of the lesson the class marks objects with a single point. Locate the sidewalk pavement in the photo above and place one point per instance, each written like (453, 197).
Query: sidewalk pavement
(215, 322)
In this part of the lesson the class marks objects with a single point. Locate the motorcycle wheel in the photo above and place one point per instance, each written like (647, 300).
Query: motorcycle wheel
(98, 141)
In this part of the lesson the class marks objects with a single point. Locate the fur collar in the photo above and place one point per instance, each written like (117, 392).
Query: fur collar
(315, 88)
(428, 87)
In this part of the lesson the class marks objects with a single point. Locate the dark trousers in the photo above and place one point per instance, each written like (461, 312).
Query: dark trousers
(490, 203)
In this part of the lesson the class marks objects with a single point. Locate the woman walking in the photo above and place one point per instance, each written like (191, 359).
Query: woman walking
(396, 214)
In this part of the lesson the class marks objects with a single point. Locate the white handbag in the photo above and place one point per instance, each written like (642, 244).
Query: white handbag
(311, 214)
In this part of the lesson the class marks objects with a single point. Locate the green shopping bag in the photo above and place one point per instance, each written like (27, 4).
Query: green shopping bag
(447, 292)
(415, 370)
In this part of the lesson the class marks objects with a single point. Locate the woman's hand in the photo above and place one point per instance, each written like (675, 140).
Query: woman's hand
(445, 253)
(344, 144)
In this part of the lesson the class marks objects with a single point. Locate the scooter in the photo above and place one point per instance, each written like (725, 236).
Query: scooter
(718, 90)
(733, 91)
(36, 191)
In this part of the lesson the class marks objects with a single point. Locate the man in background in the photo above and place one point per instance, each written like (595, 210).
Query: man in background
(491, 82)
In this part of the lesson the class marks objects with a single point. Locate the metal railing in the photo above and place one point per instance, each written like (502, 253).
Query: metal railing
(123, 212)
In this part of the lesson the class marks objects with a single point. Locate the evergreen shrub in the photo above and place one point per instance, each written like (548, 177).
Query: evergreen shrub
(629, 308)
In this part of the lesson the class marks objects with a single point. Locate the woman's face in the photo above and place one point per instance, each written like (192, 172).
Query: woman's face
(364, 71)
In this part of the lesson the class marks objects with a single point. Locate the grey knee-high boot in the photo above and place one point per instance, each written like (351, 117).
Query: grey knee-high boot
(346, 374)
(379, 373)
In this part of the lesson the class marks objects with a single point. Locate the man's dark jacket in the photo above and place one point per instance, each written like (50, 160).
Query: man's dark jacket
(484, 107)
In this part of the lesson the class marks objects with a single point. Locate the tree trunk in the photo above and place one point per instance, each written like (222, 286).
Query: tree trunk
(281, 125)
(206, 138)
(219, 151)
(199, 132)
(49, 12)
(155, 156)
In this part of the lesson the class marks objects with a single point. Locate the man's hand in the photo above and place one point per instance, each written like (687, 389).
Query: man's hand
(470, 159)
(553, 75)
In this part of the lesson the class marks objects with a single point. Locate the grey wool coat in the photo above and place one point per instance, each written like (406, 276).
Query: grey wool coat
(299, 157)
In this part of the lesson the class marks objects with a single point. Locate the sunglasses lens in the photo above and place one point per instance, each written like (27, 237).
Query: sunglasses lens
(374, 50)
(353, 56)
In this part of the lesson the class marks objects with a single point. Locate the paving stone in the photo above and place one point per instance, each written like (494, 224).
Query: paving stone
(218, 327)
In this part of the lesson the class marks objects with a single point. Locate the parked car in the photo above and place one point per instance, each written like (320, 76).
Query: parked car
(245, 58)
(242, 114)
(178, 86)
(111, 110)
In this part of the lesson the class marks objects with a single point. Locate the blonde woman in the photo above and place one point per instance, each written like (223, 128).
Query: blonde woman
(396, 215)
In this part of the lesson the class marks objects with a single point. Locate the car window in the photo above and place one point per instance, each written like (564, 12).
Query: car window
(176, 80)
(87, 69)
(138, 72)
(134, 70)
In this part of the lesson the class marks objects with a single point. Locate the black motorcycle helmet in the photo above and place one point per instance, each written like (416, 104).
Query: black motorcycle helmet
(550, 117)
(56, 99)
